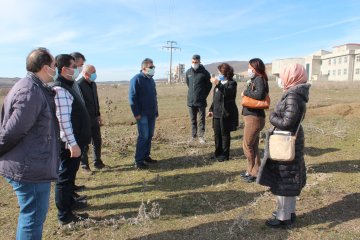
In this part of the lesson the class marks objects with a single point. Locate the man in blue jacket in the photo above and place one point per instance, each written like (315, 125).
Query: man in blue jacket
(29, 142)
(143, 103)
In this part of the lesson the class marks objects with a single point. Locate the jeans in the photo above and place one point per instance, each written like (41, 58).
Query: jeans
(146, 127)
(33, 199)
(65, 184)
(193, 117)
(96, 145)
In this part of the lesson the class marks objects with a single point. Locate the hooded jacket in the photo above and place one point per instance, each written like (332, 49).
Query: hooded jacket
(287, 178)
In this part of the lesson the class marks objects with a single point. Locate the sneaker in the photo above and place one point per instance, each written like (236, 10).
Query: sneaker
(202, 140)
(78, 197)
(141, 166)
(150, 160)
(99, 165)
(192, 140)
(73, 219)
(79, 204)
(79, 188)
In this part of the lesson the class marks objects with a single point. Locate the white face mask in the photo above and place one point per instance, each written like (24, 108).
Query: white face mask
(150, 72)
(56, 74)
(280, 83)
(251, 74)
(195, 65)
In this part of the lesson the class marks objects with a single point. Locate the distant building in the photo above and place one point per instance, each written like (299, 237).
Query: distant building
(342, 64)
(178, 73)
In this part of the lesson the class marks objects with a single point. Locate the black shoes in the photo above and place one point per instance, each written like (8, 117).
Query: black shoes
(250, 179)
(73, 219)
(221, 158)
(293, 216)
(78, 197)
(80, 204)
(141, 166)
(150, 160)
(244, 174)
(79, 188)
(275, 223)
(99, 165)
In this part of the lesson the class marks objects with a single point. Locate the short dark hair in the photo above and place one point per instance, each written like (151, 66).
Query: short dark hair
(37, 58)
(63, 60)
(78, 55)
(226, 70)
(145, 62)
(196, 57)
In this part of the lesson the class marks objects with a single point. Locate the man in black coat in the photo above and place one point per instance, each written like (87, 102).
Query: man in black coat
(198, 81)
(89, 92)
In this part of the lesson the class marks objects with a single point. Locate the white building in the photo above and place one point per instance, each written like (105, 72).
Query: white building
(342, 64)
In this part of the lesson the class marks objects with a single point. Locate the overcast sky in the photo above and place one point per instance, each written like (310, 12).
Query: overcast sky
(116, 35)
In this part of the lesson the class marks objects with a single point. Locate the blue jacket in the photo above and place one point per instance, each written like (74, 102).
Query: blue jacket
(143, 96)
(29, 133)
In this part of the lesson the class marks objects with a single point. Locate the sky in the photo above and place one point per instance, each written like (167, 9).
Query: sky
(116, 35)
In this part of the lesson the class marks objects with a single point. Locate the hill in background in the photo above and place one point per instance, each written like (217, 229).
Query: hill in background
(7, 82)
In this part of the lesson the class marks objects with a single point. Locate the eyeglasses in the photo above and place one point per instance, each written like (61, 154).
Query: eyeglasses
(151, 67)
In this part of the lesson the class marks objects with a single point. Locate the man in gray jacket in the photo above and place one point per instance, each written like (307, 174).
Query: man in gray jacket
(29, 142)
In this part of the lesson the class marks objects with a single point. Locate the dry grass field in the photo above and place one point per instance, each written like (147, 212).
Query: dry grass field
(188, 195)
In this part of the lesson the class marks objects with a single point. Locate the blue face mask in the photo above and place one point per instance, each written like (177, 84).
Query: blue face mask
(221, 77)
(93, 77)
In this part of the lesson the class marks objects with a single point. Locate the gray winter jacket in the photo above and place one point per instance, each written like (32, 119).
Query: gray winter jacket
(29, 133)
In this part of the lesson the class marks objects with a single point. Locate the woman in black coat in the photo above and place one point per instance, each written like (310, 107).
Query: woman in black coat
(287, 178)
(224, 110)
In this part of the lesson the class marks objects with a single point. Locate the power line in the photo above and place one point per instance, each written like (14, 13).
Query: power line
(170, 45)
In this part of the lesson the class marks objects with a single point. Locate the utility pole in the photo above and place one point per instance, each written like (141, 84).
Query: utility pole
(170, 45)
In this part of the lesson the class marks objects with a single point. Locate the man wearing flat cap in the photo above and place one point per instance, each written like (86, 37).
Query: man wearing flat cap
(198, 81)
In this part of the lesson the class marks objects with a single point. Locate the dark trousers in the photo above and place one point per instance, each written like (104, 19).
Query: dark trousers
(194, 125)
(222, 139)
(146, 128)
(66, 180)
(96, 144)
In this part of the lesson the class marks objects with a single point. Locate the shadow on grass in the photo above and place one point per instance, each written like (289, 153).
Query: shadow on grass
(186, 162)
(315, 152)
(179, 182)
(220, 230)
(336, 213)
(189, 204)
(345, 166)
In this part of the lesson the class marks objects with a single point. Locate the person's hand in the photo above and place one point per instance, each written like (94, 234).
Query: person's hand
(138, 117)
(214, 80)
(75, 151)
(210, 114)
(100, 121)
(242, 94)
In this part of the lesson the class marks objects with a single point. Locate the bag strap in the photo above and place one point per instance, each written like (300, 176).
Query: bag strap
(297, 130)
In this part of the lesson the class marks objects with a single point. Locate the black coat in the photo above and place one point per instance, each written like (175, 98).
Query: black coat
(224, 104)
(257, 89)
(287, 178)
(199, 85)
(89, 92)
